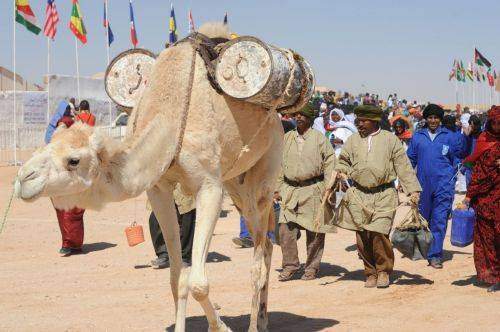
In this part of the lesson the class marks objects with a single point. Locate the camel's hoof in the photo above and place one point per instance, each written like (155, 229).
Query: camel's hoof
(220, 328)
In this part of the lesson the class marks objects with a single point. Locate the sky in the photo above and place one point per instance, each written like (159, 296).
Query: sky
(381, 46)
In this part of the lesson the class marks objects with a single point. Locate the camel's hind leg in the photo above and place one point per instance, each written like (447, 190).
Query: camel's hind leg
(208, 204)
(162, 202)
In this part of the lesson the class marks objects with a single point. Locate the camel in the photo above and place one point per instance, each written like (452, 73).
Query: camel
(215, 143)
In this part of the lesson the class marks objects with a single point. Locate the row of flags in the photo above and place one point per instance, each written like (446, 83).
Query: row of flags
(479, 69)
(26, 17)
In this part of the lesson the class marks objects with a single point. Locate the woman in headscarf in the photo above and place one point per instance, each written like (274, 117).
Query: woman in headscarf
(483, 194)
(338, 129)
(401, 130)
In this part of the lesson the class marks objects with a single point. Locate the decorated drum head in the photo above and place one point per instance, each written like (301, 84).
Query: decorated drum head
(127, 76)
(244, 67)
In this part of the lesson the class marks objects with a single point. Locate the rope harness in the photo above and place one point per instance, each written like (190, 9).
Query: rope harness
(6, 212)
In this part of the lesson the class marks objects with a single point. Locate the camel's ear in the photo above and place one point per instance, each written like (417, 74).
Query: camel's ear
(102, 145)
(97, 142)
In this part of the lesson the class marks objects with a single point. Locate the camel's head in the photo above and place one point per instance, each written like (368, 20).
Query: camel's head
(65, 167)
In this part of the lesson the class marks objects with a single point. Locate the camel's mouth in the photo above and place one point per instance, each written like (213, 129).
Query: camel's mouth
(28, 191)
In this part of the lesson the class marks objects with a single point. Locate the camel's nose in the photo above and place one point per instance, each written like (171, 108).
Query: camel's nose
(27, 175)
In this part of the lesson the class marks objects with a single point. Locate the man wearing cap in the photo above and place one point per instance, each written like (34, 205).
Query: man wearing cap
(433, 150)
(308, 159)
(372, 159)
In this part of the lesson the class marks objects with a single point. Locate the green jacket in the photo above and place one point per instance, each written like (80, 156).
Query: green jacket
(305, 158)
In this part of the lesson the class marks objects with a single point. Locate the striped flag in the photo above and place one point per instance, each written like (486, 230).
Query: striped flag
(111, 37)
(51, 19)
(25, 16)
(172, 26)
(76, 23)
(133, 32)
(191, 22)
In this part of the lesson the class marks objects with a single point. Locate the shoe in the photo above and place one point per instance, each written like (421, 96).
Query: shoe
(436, 263)
(493, 288)
(371, 281)
(286, 275)
(65, 252)
(243, 242)
(383, 280)
(309, 275)
(161, 262)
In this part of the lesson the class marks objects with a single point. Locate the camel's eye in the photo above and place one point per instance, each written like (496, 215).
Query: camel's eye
(73, 163)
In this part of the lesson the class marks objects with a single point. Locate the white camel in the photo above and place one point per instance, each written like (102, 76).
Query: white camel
(215, 147)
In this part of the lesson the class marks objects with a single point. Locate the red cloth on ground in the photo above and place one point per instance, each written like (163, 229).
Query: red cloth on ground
(484, 192)
(71, 226)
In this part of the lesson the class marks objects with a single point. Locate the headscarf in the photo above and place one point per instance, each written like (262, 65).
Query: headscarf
(486, 140)
(370, 112)
(307, 111)
(342, 123)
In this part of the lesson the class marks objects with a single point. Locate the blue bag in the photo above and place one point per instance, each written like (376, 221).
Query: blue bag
(462, 227)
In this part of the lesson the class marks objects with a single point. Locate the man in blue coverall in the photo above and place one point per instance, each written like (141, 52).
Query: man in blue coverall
(433, 150)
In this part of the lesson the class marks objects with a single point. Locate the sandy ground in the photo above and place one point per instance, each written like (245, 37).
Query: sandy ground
(111, 287)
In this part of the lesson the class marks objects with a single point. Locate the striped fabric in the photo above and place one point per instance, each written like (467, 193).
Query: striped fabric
(76, 23)
(133, 32)
(25, 16)
(51, 19)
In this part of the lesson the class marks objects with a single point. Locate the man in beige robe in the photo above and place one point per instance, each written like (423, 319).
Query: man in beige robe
(372, 159)
(308, 160)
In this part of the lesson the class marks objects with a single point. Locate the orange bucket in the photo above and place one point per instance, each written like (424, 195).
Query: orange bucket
(135, 234)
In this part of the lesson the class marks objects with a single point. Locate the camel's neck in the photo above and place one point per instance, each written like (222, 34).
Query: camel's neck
(140, 162)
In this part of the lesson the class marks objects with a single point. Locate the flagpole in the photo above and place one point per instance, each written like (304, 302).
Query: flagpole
(48, 79)
(463, 95)
(15, 82)
(77, 70)
(108, 57)
(456, 91)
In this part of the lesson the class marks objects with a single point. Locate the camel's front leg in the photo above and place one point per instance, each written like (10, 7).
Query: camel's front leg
(162, 202)
(208, 204)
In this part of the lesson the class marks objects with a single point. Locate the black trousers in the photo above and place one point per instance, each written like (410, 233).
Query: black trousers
(186, 224)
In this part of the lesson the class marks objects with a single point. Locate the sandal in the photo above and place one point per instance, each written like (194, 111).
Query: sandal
(286, 275)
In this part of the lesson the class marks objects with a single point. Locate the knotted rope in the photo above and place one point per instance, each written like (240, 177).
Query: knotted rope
(6, 212)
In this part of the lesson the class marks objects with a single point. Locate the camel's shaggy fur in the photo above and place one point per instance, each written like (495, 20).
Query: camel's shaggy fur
(215, 30)
(217, 129)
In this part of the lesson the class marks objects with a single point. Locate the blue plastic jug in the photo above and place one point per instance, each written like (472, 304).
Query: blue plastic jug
(462, 227)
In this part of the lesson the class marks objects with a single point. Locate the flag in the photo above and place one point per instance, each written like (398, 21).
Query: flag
(480, 59)
(191, 22)
(172, 26)
(76, 23)
(453, 74)
(491, 79)
(111, 37)
(25, 16)
(469, 72)
(225, 19)
(133, 32)
(51, 19)
(462, 71)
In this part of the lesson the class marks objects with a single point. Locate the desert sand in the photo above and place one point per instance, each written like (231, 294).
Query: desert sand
(112, 287)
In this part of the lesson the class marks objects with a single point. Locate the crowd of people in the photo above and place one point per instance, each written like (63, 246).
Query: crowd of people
(380, 147)
(375, 149)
